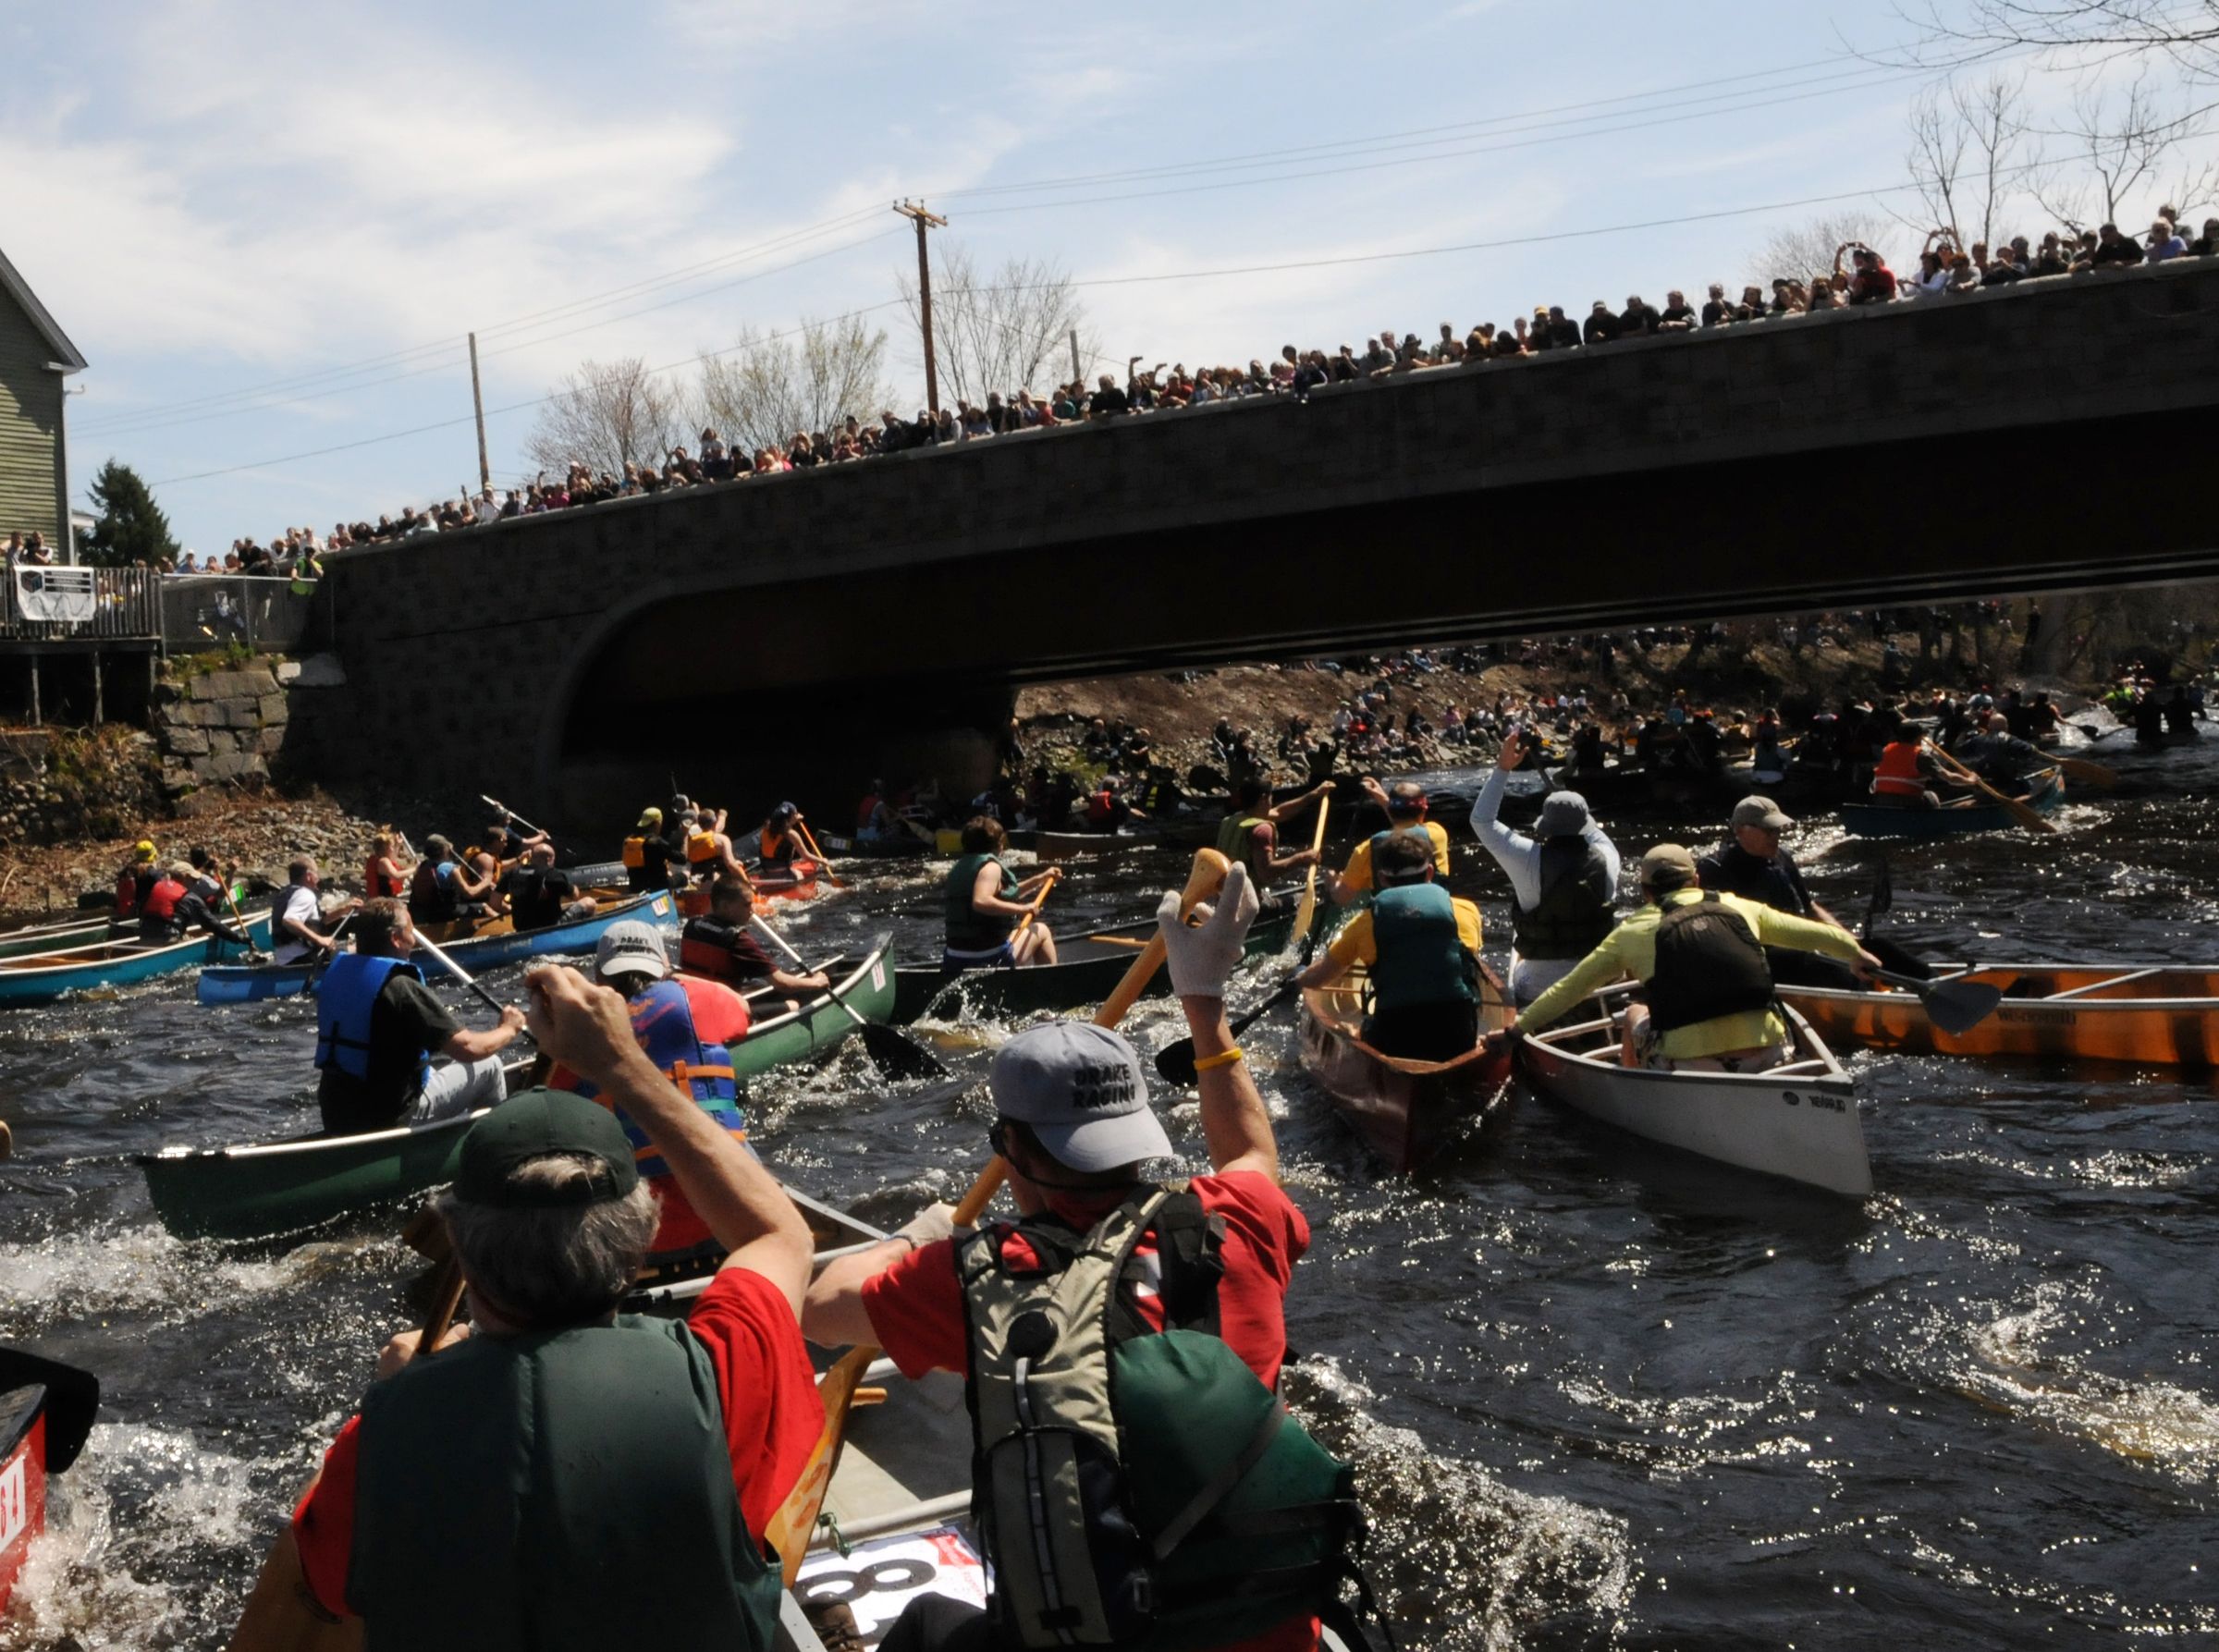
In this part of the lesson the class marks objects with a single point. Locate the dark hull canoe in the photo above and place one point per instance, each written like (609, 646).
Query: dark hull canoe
(284, 1186)
(1875, 820)
(485, 949)
(1404, 1110)
(42, 977)
(1088, 967)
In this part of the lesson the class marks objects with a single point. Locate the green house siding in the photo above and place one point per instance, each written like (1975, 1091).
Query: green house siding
(30, 429)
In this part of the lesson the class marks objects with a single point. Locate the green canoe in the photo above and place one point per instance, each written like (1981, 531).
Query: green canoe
(281, 1187)
(1087, 968)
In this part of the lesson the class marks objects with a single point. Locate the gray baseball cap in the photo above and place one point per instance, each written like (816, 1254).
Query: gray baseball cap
(1564, 814)
(631, 948)
(1082, 1091)
(1761, 812)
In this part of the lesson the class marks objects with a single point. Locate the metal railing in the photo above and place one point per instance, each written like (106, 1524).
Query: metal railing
(205, 611)
(47, 605)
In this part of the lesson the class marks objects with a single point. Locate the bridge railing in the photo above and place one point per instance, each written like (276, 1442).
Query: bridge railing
(203, 611)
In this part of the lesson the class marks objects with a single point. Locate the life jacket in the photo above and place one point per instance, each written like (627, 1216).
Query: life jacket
(700, 850)
(867, 811)
(1574, 911)
(704, 947)
(344, 1003)
(1422, 960)
(376, 886)
(1237, 1519)
(635, 855)
(1233, 839)
(1896, 774)
(662, 1020)
(432, 892)
(131, 887)
(591, 1454)
(1102, 808)
(1379, 839)
(160, 902)
(970, 930)
(777, 848)
(1709, 965)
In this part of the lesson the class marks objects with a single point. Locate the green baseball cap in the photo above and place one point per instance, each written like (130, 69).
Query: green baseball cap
(530, 1125)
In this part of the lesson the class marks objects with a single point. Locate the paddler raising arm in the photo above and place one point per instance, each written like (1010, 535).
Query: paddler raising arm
(1405, 807)
(515, 1488)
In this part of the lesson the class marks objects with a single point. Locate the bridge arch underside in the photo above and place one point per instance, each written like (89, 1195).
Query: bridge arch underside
(793, 682)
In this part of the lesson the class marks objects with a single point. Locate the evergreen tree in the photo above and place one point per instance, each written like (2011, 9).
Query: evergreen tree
(132, 526)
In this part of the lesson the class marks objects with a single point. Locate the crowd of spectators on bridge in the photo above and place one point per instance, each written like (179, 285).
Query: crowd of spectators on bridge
(1947, 266)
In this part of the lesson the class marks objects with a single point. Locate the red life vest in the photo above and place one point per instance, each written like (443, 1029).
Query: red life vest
(162, 900)
(376, 886)
(1896, 775)
(131, 886)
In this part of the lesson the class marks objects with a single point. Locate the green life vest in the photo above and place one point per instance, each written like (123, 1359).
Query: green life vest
(1233, 841)
(541, 1493)
(970, 930)
(1135, 1489)
(1422, 959)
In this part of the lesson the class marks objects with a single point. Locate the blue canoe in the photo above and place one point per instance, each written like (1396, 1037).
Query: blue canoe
(246, 984)
(42, 977)
(1878, 820)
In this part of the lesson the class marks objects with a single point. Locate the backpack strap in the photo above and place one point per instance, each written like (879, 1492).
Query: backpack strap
(1190, 1244)
(1219, 1486)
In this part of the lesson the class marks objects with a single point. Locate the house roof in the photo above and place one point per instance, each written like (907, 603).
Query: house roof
(12, 281)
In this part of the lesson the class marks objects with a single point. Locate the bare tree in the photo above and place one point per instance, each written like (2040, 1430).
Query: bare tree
(2118, 145)
(605, 414)
(1801, 250)
(1967, 142)
(1955, 32)
(761, 393)
(1010, 333)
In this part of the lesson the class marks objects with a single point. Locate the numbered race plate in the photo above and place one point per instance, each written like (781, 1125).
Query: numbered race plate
(875, 1580)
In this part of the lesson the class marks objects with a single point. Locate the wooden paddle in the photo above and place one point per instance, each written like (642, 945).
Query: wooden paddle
(2082, 770)
(2017, 810)
(795, 1520)
(283, 1614)
(1306, 915)
(510, 815)
(897, 1054)
(823, 864)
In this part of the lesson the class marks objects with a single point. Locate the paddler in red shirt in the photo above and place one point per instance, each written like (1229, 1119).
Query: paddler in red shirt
(1074, 1124)
(515, 1487)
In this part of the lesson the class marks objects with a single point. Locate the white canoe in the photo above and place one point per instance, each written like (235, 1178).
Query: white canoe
(1797, 1122)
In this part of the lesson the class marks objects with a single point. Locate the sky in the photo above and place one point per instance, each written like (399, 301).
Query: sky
(269, 228)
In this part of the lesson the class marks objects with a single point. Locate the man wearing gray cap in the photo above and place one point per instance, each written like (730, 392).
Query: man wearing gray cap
(1753, 865)
(1564, 880)
(1073, 1120)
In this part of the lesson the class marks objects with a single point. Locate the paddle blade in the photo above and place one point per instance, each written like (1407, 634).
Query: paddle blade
(896, 1054)
(1176, 1063)
(1957, 1006)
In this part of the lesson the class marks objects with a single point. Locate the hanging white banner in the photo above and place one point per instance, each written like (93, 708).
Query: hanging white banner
(63, 595)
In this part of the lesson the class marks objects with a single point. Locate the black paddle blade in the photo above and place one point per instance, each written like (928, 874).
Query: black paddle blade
(898, 1055)
(1959, 1006)
(72, 1400)
(1897, 961)
(1176, 1063)
(1883, 895)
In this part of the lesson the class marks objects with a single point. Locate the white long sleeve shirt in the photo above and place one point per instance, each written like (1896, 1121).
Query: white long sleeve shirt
(1518, 856)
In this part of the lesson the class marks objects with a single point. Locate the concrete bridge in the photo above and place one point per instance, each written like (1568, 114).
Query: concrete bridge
(800, 631)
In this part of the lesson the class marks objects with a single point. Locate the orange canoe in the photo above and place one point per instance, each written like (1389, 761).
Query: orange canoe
(2151, 1015)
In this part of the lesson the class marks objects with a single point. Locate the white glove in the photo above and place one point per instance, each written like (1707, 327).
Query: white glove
(1201, 958)
(930, 1225)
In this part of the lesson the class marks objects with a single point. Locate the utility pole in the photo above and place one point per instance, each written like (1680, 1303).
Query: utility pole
(925, 221)
(477, 401)
(1078, 374)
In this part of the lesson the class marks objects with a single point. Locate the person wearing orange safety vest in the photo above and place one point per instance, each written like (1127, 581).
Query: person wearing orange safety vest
(687, 1026)
(1900, 778)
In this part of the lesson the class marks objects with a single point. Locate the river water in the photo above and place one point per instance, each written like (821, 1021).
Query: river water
(1596, 1396)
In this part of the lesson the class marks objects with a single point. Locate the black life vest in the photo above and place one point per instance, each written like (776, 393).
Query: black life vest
(1708, 964)
(1574, 912)
(708, 946)
(431, 897)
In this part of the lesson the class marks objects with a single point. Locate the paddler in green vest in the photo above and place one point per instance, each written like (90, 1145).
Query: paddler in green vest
(985, 904)
(1420, 945)
(557, 1475)
(1405, 806)
(1248, 835)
